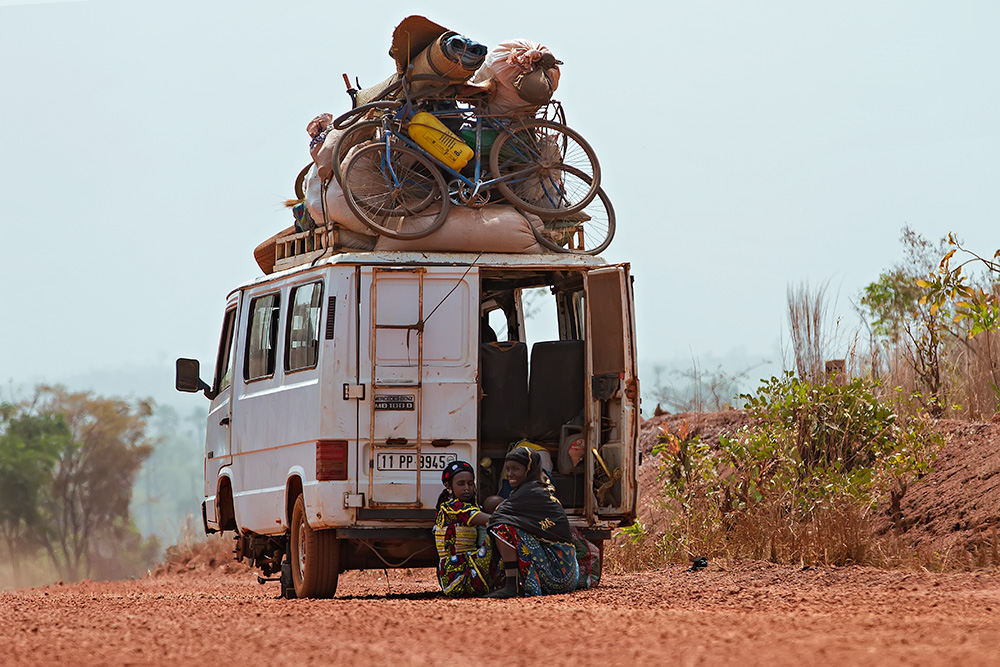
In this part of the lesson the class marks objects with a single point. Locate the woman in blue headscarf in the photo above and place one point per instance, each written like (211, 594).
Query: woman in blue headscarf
(531, 532)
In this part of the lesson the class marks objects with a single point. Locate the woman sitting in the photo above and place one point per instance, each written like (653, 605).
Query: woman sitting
(465, 563)
(532, 533)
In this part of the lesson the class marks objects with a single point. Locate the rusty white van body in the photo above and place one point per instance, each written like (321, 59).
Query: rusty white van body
(343, 387)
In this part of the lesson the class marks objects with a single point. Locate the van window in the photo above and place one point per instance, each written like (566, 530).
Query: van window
(224, 361)
(263, 338)
(541, 316)
(302, 332)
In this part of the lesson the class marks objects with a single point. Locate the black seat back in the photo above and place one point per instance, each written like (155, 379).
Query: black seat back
(555, 388)
(503, 411)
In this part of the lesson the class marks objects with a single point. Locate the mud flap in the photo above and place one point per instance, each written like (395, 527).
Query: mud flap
(287, 587)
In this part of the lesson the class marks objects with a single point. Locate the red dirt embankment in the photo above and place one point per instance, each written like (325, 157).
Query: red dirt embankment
(953, 512)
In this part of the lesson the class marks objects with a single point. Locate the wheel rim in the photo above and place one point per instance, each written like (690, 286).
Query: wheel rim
(551, 191)
(545, 168)
(302, 548)
(395, 191)
(400, 185)
(586, 232)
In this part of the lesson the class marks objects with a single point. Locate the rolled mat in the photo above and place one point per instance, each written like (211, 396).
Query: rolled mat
(432, 60)
(411, 36)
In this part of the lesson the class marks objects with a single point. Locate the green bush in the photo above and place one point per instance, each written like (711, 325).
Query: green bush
(801, 483)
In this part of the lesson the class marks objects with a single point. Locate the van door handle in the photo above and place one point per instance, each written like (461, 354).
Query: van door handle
(224, 421)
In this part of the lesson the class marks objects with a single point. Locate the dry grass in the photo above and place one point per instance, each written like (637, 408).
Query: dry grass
(839, 536)
(807, 314)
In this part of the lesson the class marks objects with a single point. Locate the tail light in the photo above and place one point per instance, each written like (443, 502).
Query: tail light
(331, 460)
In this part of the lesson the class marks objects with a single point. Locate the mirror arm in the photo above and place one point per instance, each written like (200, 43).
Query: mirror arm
(206, 389)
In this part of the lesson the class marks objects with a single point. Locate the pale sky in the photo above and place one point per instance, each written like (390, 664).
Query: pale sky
(146, 147)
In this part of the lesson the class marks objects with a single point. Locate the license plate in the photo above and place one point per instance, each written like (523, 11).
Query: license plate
(408, 461)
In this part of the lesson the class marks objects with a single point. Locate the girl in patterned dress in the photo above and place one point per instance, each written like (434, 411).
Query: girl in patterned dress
(532, 533)
(466, 565)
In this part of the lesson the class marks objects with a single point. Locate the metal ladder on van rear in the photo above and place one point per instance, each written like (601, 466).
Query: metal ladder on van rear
(396, 444)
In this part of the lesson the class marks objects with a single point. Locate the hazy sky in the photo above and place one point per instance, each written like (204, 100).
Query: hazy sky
(146, 147)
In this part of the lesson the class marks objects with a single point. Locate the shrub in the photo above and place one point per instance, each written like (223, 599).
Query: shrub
(800, 484)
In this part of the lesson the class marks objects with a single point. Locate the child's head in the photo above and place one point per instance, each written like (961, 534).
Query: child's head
(459, 479)
(491, 503)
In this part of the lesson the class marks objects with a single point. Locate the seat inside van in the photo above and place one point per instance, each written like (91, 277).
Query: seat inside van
(555, 388)
(503, 411)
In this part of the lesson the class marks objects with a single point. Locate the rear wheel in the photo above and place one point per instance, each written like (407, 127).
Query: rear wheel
(586, 232)
(545, 168)
(314, 556)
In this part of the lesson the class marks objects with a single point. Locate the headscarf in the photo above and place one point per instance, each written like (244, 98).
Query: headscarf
(453, 469)
(448, 474)
(530, 459)
(533, 506)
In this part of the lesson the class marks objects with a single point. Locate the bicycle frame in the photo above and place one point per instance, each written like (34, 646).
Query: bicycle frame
(406, 111)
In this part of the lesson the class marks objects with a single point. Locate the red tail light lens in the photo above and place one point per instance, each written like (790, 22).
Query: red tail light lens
(331, 460)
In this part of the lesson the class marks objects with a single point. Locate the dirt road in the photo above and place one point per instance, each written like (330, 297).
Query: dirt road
(731, 614)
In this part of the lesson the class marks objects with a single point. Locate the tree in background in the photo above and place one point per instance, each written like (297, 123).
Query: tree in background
(29, 449)
(904, 326)
(973, 303)
(169, 487)
(88, 527)
(696, 389)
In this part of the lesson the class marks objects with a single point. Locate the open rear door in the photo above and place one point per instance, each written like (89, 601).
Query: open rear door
(613, 393)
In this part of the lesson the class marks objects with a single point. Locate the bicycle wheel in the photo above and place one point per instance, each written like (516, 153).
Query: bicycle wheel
(300, 180)
(586, 232)
(345, 120)
(369, 130)
(395, 191)
(540, 165)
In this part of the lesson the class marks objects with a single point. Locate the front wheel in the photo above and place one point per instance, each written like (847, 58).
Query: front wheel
(314, 556)
(544, 168)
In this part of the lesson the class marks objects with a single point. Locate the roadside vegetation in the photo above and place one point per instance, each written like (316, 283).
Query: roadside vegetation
(817, 473)
(68, 464)
(93, 487)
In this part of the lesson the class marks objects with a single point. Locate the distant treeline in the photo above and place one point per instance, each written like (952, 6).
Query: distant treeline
(69, 463)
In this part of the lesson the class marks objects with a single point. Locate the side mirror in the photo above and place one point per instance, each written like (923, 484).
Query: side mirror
(188, 377)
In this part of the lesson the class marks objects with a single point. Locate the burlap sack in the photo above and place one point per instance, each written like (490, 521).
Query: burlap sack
(337, 209)
(504, 64)
(495, 228)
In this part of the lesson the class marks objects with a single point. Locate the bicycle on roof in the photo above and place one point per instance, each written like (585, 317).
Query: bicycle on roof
(399, 189)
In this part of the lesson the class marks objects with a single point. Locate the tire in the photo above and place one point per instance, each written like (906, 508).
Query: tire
(300, 193)
(541, 164)
(357, 134)
(314, 556)
(396, 191)
(586, 232)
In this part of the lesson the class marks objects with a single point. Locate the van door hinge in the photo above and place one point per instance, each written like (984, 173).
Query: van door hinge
(354, 391)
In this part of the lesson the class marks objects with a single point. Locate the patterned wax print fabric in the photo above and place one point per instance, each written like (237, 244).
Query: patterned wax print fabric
(588, 558)
(545, 567)
(464, 567)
